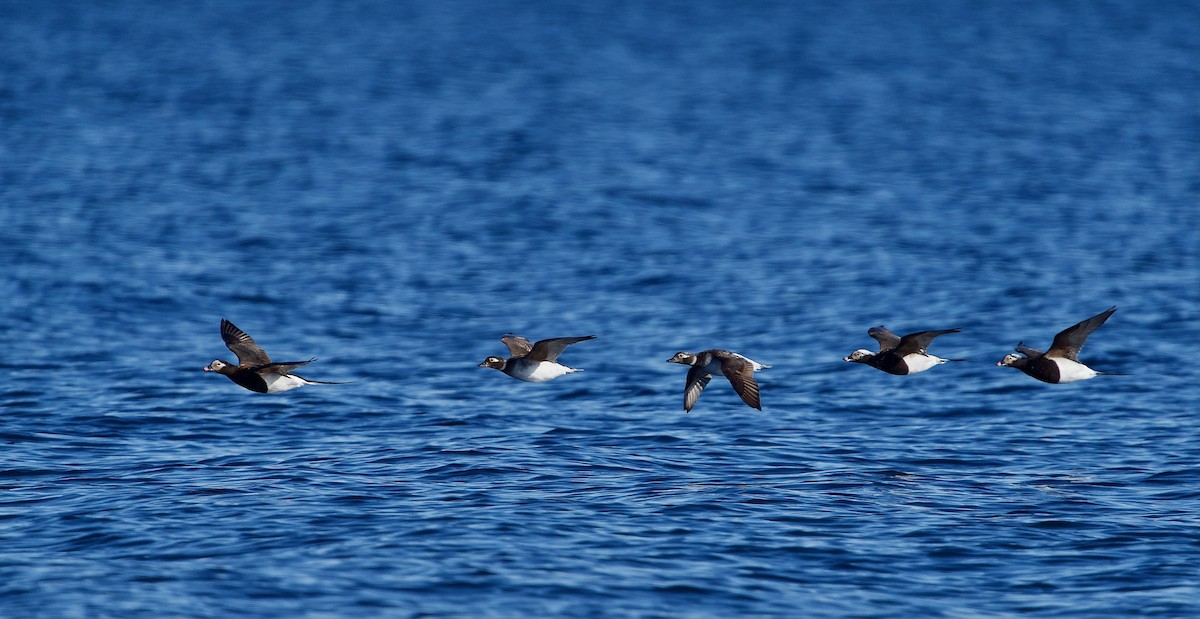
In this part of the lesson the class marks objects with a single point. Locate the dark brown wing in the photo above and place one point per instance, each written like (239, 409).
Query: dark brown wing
(697, 380)
(919, 341)
(247, 350)
(1027, 351)
(549, 350)
(283, 367)
(741, 375)
(1070, 341)
(886, 339)
(517, 345)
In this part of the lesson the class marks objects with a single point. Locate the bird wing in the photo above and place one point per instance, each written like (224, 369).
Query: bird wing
(697, 379)
(247, 350)
(517, 345)
(886, 338)
(919, 341)
(549, 350)
(1070, 341)
(1032, 353)
(740, 373)
(283, 367)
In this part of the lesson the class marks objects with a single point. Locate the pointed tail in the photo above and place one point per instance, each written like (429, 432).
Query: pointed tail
(322, 382)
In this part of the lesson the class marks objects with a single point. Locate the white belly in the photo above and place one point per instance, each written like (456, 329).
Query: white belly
(540, 372)
(920, 363)
(1071, 371)
(282, 382)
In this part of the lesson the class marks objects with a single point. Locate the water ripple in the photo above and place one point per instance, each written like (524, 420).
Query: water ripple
(669, 176)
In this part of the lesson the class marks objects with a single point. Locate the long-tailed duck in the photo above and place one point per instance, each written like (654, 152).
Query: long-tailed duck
(738, 369)
(1061, 363)
(254, 370)
(534, 363)
(900, 355)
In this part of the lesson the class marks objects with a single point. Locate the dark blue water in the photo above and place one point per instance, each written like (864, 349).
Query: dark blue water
(392, 186)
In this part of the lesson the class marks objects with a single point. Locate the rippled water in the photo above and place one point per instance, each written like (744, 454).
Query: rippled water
(392, 186)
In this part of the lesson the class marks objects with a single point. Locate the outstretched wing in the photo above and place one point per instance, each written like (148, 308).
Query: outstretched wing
(1032, 353)
(919, 341)
(697, 379)
(517, 345)
(886, 339)
(247, 350)
(740, 372)
(1070, 341)
(549, 350)
(283, 367)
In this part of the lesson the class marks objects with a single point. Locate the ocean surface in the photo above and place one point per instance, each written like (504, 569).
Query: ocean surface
(391, 186)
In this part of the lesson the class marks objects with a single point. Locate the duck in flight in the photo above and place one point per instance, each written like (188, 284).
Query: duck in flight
(900, 355)
(738, 369)
(534, 363)
(254, 369)
(1061, 363)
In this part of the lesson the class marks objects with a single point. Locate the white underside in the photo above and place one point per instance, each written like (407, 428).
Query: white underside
(541, 372)
(919, 363)
(282, 382)
(757, 366)
(1071, 371)
(714, 366)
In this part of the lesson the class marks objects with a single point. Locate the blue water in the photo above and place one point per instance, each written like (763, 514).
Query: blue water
(392, 186)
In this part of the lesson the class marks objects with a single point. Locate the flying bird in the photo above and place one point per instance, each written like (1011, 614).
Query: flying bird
(1061, 363)
(738, 369)
(254, 369)
(900, 355)
(533, 363)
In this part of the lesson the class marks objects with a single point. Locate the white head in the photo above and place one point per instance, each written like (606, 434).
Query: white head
(859, 356)
(493, 362)
(216, 366)
(686, 358)
(1009, 359)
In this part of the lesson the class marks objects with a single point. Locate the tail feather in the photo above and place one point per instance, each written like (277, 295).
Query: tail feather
(322, 382)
